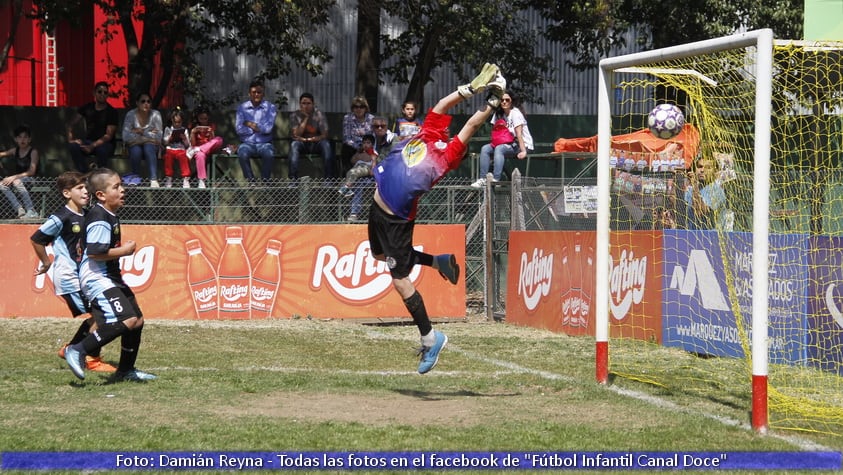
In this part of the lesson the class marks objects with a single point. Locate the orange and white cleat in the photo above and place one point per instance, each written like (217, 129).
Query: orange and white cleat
(95, 363)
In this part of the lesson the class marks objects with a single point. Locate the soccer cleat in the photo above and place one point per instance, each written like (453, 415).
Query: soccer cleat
(430, 354)
(76, 360)
(134, 375)
(480, 82)
(95, 363)
(448, 267)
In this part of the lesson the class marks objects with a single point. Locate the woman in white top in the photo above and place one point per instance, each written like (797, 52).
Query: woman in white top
(516, 123)
(142, 133)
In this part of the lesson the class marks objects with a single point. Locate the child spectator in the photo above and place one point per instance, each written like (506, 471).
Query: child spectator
(25, 168)
(361, 165)
(176, 143)
(63, 230)
(205, 141)
(113, 303)
(407, 125)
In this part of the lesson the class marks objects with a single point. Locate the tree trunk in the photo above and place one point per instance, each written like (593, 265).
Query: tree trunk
(421, 73)
(17, 13)
(368, 51)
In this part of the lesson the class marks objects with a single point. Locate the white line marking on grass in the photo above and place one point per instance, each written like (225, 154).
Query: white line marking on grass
(803, 444)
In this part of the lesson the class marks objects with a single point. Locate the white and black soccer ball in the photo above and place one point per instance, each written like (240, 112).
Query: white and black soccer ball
(666, 121)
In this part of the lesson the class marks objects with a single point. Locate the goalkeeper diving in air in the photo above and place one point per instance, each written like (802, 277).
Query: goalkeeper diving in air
(410, 170)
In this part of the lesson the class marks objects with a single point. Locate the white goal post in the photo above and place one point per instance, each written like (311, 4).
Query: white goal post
(762, 41)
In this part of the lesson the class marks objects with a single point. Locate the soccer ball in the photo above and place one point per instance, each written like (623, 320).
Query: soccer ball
(665, 121)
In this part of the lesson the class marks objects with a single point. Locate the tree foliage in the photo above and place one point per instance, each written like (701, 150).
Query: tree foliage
(589, 29)
(276, 32)
(462, 36)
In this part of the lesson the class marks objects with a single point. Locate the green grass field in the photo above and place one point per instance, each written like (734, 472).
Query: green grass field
(310, 385)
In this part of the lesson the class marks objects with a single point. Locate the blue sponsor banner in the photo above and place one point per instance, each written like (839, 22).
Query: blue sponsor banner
(414, 461)
(787, 299)
(825, 307)
(698, 310)
(697, 315)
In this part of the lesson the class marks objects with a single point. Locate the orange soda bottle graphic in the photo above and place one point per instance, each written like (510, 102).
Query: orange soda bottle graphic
(265, 279)
(235, 275)
(202, 280)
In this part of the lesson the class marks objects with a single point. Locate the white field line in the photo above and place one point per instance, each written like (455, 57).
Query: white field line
(802, 444)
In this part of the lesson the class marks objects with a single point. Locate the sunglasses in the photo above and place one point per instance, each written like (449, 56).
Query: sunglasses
(379, 126)
(506, 100)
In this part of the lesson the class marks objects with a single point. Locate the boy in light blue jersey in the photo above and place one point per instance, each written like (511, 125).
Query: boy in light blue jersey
(411, 169)
(63, 230)
(113, 303)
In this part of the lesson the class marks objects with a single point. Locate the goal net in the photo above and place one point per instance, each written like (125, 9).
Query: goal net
(740, 217)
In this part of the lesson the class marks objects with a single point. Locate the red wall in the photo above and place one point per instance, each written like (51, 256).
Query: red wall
(82, 58)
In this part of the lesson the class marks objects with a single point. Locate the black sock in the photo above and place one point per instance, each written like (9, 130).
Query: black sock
(422, 258)
(102, 336)
(82, 332)
(129, 345)
(415, 305)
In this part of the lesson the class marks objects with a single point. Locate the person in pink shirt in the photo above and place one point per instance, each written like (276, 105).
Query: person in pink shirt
(204, 141)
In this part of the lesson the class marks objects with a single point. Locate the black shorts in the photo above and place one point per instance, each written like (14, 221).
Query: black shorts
(115, 305)
(392, 237)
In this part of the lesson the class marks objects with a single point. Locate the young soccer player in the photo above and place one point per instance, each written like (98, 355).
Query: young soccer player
(409, 171)
(63, 229)
(113, 303)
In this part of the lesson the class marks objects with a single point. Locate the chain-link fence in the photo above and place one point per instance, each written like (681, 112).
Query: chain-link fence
(488, 213)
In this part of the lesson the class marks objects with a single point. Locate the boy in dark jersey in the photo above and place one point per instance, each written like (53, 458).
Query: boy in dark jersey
(113, 303)
(63, 229)
(410, 170)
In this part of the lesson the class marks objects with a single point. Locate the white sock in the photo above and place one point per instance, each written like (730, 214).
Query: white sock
(429, 339)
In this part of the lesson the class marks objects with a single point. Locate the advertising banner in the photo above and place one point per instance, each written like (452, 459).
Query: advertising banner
(699, 315)
(825, 306)
(635, 285)
(551, 279)
(248, 271)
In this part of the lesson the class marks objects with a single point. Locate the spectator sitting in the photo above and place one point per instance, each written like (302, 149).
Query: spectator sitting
(26, 167)
(408, 124)
(142, 132)
(513, 125)
(355, 125)
(309, 132)
(254, 123)
(176, 142)
(361, 165)
(383, 142)
(101, 128)
(205, 142)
